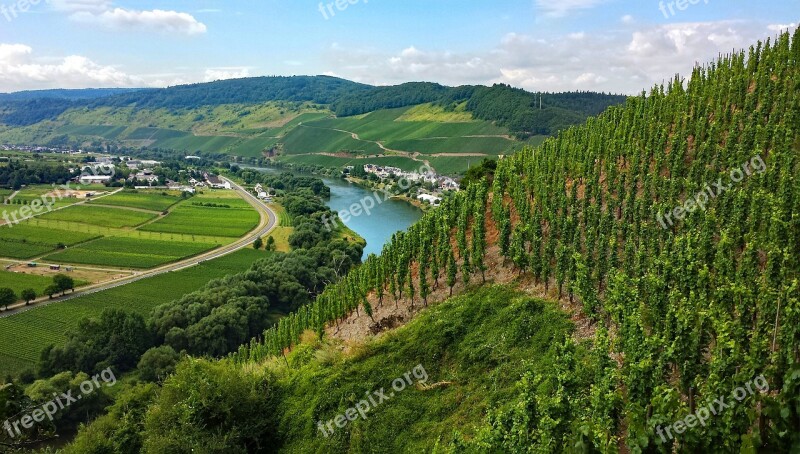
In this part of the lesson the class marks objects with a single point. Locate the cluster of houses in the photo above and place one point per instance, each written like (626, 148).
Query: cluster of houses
(32, 149)
(441, 182)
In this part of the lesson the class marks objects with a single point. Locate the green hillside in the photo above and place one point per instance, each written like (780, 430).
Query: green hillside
(287, 117)
(684, 294)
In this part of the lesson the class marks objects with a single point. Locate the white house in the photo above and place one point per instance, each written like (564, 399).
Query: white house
(432, 199)
(94, 179)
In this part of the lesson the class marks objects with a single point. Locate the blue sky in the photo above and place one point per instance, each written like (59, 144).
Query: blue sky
(608, 45)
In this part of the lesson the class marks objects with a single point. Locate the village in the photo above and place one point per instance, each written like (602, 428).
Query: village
(433, 186)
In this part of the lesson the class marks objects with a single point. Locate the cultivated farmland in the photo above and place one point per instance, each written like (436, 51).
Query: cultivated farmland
(129, 252)
(101, 216)
(214, 213)
(142, 199)
(24, 241)
(24, 336)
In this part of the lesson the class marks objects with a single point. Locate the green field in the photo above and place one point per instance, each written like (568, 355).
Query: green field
(214, 213)
(485, 145)
(19, 282)
(33, 193)
(101, 216)
(144, 199)
(23, 336)
(25, 241)
(332, 161)
(106, 132)
(308, 139)
(129, 252)
(199, 220)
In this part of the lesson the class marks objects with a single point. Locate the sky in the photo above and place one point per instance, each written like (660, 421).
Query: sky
(619, 46)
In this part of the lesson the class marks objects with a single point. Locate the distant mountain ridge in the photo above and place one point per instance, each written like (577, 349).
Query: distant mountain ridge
(63, 93)
(524, 113)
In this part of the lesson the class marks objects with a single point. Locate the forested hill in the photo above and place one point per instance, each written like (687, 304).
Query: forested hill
(76, 94)
(668, 227)
(523, 113)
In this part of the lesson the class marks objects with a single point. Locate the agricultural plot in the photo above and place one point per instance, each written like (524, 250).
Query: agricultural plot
(306, 139)
(155, 134)
(453, 165)
(24, 336)
(101, 216)
(129, 252)
(19, 282)
(50, 194)
(252, 148)
(484, 145)
(333, 161)
(197, 144)
(106, 132)
(386, 125)
(206, 220)
(143, 200)
(24, 241)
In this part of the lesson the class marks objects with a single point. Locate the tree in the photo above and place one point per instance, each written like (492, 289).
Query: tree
(51, 290)
(271, 246)
(158, 363)
(28, 295)
(7, 297)
(258, 243)
(452, 271)
(63, 283)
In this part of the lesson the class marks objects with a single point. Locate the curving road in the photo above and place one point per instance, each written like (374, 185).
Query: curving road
(268, 222)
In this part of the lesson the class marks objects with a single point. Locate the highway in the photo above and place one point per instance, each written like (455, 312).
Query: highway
(268, 222)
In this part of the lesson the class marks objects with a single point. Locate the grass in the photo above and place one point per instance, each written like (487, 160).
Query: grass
(281, 235)
(101, 216)
(129, 252)
(24, 336)
(473, 349)
(144, 199)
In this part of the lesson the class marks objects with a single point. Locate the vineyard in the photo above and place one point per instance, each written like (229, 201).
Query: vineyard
(678, 312)
(129, 252)
(101, 216)
(144, 200)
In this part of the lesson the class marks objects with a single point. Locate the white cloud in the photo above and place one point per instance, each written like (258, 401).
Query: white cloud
(627, 19)
(561, 8)
(20, 71)
(102, 12)
(213, 74)
(782, 27)
(72, 6)
(160, 20)
(625, 60)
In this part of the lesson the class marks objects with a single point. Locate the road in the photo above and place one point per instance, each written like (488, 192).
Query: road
(268, 222)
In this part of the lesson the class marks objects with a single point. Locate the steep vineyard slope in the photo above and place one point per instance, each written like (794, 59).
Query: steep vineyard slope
(673, 225)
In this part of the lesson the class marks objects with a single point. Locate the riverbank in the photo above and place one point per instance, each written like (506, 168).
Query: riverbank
(370, 186)
(379, 225)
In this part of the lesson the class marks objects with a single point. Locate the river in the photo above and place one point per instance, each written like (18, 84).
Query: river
(378, 227)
